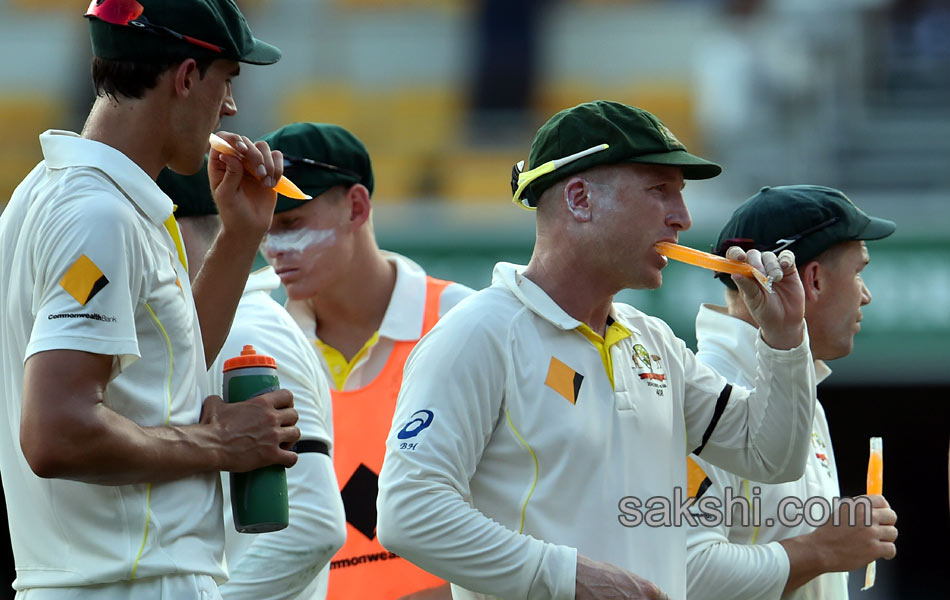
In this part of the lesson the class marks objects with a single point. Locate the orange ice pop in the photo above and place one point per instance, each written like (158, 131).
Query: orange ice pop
(875, 486)
(284, 186)
(712, 262)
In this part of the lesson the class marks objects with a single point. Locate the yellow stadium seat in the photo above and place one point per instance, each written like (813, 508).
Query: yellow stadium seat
(22, 119)
(671, 101)
(421, 119)
(398, 176)
(478, 176)
(415, 120)
(406, 130)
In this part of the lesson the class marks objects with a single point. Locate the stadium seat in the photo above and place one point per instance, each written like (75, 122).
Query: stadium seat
(22, 119)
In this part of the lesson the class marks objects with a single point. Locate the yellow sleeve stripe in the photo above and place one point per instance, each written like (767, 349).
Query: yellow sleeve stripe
(748, 497)
(534, 458)
(168, 414)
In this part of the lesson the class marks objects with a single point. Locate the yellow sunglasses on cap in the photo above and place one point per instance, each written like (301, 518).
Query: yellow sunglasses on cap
(521, 179)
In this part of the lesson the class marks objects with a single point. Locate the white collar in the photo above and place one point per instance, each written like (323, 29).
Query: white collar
(717, 328)
(64, 149)
(533, 296)
(405, 312)
(264, 279)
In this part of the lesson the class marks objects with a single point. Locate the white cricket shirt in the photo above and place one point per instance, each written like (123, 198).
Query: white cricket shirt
(511, 452)
(87, 264)
(748, 562)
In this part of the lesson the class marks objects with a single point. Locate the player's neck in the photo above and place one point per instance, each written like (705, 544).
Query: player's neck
(353, 308)
(130, 127)
(573, 289)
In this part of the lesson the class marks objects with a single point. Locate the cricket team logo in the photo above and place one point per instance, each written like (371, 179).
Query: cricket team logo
(649, 367)
(821, 451)
(671, 140)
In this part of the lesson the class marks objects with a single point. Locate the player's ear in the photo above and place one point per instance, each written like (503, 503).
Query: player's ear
(183, 76)
(357, 199)
(811, 276)
(576, 197)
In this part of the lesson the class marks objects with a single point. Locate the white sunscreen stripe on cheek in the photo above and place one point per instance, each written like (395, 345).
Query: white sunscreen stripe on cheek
(297, 241)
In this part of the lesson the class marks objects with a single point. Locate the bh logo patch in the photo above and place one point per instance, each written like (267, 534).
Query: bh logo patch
(418, 421)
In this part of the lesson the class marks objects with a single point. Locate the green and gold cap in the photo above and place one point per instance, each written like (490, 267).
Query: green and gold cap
(319, 156)
(159, 30)
(631, 135)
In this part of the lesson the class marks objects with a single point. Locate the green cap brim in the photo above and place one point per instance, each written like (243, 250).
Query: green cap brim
(284, 203)
(262, 54)
(877, 229)
(693, 166)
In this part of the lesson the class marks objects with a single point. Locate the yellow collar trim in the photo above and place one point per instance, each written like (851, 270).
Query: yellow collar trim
(340, 368)
(615, 332)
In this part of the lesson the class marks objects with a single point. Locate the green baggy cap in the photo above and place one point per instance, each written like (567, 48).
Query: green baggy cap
(807, 219)
(319, 156)
(216, 22)
(190, 193)
(632, 134)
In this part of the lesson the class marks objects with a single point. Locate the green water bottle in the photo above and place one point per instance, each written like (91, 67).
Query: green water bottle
(258, 497)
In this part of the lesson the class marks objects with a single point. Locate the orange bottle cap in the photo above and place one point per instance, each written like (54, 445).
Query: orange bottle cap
(249, 358)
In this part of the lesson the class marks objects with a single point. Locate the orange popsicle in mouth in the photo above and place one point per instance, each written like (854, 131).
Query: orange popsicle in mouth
(284, 186)
(712, 262)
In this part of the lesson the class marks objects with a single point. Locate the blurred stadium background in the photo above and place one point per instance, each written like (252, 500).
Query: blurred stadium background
(447, 94)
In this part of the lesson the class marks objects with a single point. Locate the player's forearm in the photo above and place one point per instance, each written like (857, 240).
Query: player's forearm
(805, 559)
(431, 525)
(218, 287)
(719, 570)
(783, 436)
(106, 448)
(771, 429)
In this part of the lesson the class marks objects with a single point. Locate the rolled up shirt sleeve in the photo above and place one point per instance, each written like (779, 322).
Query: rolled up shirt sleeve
(451, 402)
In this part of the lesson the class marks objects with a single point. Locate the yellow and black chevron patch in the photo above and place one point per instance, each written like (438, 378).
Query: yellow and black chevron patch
(564, 380)
(83, 280)
(697, 482)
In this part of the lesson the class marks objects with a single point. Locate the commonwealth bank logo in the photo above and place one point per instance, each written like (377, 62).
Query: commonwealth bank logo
(564, 380)
(83, 280)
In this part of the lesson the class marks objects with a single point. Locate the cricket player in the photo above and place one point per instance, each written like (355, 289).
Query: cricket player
(789, 558)
(539, 421)
(292, 563)
(111, 452)
(363, 310)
